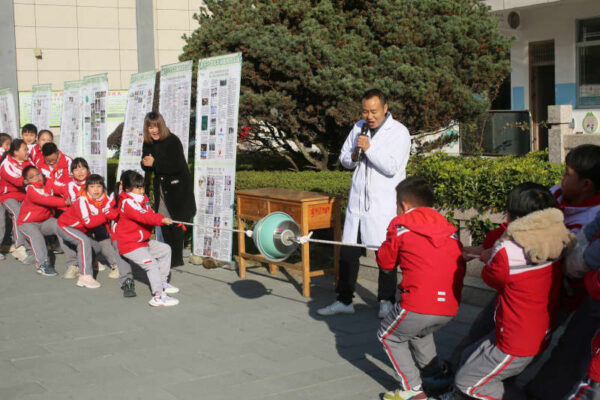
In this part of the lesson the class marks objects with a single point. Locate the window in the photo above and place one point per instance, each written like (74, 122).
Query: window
(588, 62)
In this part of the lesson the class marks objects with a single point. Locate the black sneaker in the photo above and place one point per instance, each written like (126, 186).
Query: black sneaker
(46, 269)
(128, 288)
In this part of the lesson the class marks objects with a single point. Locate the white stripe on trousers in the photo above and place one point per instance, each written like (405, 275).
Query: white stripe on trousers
(82, 250)
(581, 388)
(14, 220)
(37, 260)
(470, 390)
(388, 351)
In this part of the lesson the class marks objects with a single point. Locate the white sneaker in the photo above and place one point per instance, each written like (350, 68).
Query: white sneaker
(114, 272)
(101, 267)
(170, 289)
(20, 253)
(163, 301)
(337, 307)
(72, 272)
(385, 306)
(88, 281)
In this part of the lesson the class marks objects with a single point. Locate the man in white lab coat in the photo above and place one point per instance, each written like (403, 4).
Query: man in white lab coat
(377, 148)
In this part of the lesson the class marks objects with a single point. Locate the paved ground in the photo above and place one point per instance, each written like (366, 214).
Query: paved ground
(228, 339)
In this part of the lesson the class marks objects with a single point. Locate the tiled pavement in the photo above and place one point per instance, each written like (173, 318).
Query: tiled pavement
(228, 339)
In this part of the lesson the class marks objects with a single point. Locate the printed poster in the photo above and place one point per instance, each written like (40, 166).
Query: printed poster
(139, 103)
(95, 90)
(115, 108)
(8, 115)
(216, 140)
(175, 100)
(41, 102)
(71, 142)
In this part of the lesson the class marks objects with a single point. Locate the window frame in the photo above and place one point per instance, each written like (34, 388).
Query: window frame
(578, 46)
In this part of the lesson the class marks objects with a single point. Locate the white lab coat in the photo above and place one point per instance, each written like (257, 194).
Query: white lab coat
(372, 198)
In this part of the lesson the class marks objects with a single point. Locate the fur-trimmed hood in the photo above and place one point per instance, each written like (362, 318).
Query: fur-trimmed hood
(542, 234)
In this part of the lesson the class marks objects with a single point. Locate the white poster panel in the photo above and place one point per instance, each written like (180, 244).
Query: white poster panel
(71, 142)
(40, 106)
(95, 89)
(175, 100)
(217, 107)
(8, 115)
(139, 103)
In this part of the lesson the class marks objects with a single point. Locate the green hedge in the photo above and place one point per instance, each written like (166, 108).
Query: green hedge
(459, 182)
(482, 183)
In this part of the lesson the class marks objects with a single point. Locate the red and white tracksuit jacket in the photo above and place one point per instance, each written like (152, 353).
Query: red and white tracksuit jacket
(60, 172)
(527, 301)
(38, 205)
(426, 248)
(68, 188)
(35, 154)
(577, 215)
(11, 179)
(136, 221)
(84, 215)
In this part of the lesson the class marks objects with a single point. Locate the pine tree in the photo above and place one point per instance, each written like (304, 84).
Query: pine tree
(307, 63)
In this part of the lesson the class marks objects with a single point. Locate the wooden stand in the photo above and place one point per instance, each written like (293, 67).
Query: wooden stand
(310, 210)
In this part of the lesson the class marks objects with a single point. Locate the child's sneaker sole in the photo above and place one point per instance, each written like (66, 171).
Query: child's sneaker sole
(89, 285)
(171, 302)
(44, 273)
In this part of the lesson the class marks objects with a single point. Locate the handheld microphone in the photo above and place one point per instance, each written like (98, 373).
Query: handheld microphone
(363, 132)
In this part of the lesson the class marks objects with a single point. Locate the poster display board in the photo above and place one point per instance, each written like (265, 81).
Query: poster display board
(216, 140)
(72, 119)
(40, 106)
(8, 115)
(175, 100)
(95, 90)
(139, 103)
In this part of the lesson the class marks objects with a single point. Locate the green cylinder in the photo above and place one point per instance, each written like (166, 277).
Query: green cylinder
(272, 236)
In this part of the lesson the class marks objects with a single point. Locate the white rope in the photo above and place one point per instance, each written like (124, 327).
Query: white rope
(248, 232)
(307, 238)
(299, 239)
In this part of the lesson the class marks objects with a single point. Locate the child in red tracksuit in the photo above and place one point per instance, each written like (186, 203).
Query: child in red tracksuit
(136, 220)
(526, 270)
(54, 164)
(35, 154)
(70, 189)
(5, 140)
(424, 245)
(91, 210)
(124, 267)
(12, 192)
(36, 219)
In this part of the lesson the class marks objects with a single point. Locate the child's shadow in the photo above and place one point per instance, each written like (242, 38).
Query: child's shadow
(356, 335)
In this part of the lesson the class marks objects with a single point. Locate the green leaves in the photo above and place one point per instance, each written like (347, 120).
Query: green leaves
(312, 60)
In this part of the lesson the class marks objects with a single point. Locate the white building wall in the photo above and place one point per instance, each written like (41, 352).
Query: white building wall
(551, 21)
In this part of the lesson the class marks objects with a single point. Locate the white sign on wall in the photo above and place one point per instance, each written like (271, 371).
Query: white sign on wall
(216, 140)
(8, 115)
(139, 103)
(95, 89)
(175, 100)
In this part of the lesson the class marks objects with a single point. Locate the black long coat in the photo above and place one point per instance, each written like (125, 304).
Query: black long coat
(171, 172)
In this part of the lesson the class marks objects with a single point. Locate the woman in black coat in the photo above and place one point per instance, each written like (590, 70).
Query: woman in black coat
(173, 187)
